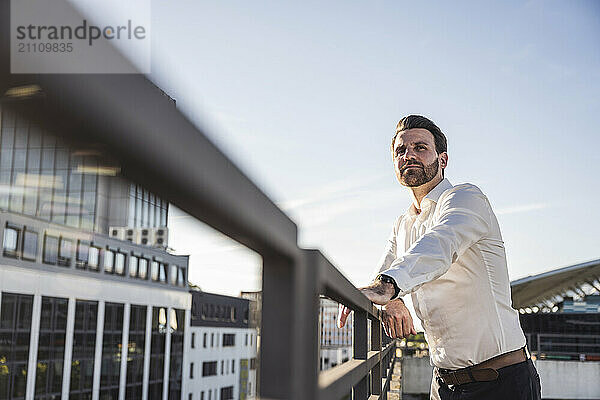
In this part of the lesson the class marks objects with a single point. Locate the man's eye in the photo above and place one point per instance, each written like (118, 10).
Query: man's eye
(420, 147)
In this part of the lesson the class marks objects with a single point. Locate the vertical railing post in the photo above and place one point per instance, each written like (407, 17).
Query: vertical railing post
(377, 371)
(361, 389)
(306, 326)
(277, 323)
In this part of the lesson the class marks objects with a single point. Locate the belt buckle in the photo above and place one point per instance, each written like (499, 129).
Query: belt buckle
(449, 377)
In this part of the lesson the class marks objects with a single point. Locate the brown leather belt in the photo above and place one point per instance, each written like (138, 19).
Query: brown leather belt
(482, 372)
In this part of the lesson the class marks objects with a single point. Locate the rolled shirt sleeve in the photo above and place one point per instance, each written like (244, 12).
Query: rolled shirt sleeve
(462, 217)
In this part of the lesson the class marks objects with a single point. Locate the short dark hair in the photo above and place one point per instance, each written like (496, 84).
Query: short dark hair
(418, 121)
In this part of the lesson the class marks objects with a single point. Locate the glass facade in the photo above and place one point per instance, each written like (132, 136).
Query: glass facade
(145, 209)
(135, 352)
(46, 178)
(157, 352)
(15, 331)
(51, 348)
(111, 351)
(84, 345)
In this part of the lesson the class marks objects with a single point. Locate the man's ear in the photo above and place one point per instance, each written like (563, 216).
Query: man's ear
(444, 160)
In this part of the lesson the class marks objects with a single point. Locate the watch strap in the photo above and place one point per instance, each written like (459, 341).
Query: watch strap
(389, 279)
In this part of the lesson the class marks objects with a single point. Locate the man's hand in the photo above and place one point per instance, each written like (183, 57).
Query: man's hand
(343, 313)
(397, 320)
(378, 292)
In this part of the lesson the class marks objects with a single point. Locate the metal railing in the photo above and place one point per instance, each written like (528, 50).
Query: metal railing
(567, 345)
(127, 117)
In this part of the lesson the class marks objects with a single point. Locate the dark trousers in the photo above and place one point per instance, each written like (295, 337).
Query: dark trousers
(515, 382)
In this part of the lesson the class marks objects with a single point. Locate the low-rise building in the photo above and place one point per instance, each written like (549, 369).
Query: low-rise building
(336, 343)
(222, 349)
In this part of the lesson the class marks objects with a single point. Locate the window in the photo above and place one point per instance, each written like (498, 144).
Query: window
(83, 250)
(50, 249)
(173, 278)
(84, 345)
(253, 363)
(93, 257)
(50, 352)
(212, 340)
(143, 268)
(109, 261)
(177, 326)
(190, 396)
(163, 273)
(204, 340)
(181, 277)
(202, 395)
(222, 365)
(228, 339)
(227, 393)
(193, 340)
(246, 341)
(157, 353)
(135, 356)
(191, 370)
(111, 346)
(11, 240)
(133, 266)
(120, 263)
(154, 271)
(15, 328)
(209, 368)
(233, 366)
(30, 241)
(65, 252)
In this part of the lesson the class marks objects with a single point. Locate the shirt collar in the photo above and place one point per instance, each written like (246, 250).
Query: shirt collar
(432, 197)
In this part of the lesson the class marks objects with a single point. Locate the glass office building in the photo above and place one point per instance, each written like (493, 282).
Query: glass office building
(83, 315)
(68, 184)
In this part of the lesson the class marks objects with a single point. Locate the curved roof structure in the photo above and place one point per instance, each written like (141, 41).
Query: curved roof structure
(544, 290)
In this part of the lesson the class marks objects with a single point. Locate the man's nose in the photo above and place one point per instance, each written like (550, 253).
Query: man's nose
(408, 154)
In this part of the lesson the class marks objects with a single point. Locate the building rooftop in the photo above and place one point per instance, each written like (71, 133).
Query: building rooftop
(547, 289)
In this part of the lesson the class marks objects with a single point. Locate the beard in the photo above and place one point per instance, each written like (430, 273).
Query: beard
(417, 177)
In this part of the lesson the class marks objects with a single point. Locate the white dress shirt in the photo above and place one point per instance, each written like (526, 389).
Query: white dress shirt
(451, 257)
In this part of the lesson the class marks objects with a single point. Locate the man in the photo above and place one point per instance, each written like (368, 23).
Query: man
(447, 251)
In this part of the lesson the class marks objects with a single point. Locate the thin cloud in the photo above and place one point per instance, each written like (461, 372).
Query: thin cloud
(331, 191)
(319, 213)
(521, 208)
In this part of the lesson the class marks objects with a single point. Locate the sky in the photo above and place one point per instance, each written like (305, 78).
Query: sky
(305, 97)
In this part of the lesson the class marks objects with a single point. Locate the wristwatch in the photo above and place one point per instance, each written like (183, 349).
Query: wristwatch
(389, 279)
